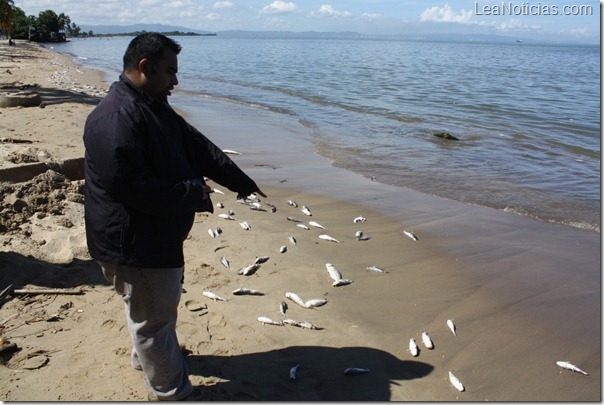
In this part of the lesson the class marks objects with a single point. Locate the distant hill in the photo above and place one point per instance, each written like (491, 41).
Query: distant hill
(121, 29)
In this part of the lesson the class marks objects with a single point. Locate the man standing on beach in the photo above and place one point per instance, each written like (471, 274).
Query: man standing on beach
(144, 171)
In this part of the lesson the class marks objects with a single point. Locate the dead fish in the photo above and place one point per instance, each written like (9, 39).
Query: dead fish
(213, 296)
(247, 291)
(341, 282)
(218, 231)
(220, 205)
(293, 219)
(356, 371)
(451, 326)
(245, 225)
(261, 259)
(315, 303)
(455, 382)
(303, 227)
(225, 262)
(361, 236)
(292, 239)
(283, 249)
(292, 203)
(307, 325)
(273, 209)
(306, 211)
(211, 233)
(316, 224)
(231, 212)
(226, 216)
(248, 270)
(413, 349)
(256, 206)
(328, 238)
(333, 272)
(295, 298)
(293, 372)
(376, 269)
(571, 367)
(427, 341)
(231, 152)
(215, 190)
(268, 321)
(359, 219)
(291, 322)
(283, 308)
(411, 235)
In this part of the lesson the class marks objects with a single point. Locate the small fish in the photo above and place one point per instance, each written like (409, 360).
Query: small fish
(218, 231)
(225, 262)
(316, 224)
(292, 203)
(307, 325)
(293, 372)
(215, 190)
(341, 282)
(306, 211)
(376, 269)
(256, 206)
(248, 270)
(333, 272)
(231, 152)
(247, 291)
(245, 225)
(291, 322)
(213, 296)
(292, 239)
(270, 204)
(211, 232)
(283, 308)
(261, 259)
(413, 349)
(356, 371)
(359, 219)
(455, 382)
(273, 209)
(293, 219)
(303, 226)
(328, 238)
(295, 298)
(283, 249)
(361, 236)
(268, 321)
(226, 216)
(451, 326)
(315, 303)
(571, 367)
(231, 212)
(411, 235)
(220, 205)
(427, 341)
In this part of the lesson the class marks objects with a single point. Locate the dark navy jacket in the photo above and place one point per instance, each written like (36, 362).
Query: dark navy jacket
(140, 158)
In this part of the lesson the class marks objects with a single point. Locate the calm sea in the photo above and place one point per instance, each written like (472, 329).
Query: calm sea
(527, 117)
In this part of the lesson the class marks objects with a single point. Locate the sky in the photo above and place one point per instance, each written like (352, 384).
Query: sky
(573, 20)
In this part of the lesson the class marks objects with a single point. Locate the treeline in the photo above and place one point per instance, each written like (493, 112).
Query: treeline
(169, 34)
(48, 26)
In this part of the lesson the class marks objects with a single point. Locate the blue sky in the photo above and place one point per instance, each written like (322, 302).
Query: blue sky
(576, 20)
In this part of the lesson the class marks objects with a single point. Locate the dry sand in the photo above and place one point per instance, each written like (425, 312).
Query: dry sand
(523, 294)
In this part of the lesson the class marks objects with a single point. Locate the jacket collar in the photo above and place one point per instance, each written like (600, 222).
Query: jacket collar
(140, 92)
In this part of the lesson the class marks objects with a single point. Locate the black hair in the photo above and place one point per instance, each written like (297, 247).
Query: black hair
(149, 45)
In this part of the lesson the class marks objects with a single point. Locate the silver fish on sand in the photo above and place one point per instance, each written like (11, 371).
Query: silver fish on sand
(315, 303)
(570, 366)
(218, 231)
(411, 235)
(231, 212)
(215, 190)
(456, 383)
(306, 211)
(231, 152)
(303, 324)
(376, 269)
(295, 298)
(211, 233)
(213, 296)
(220, 205)
(256, 206)
(413, 349)
(225, 262)
(315, 224)
(245, 225)
(328, 238)
(361, 236)
(333, 272)
(292, 239)
(427, 341)
(356, 371)
(293, 372)
(451, 326)
(303, 226)
(261, 259)
(247, 291)
(248, 270)
(292, 203)
(282, 308)
(283, 249)
(293, 219)
(226, 216)
(268, 321)
(341, 282)
(359, 219)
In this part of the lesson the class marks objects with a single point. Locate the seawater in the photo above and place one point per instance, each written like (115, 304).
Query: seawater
(527, 116)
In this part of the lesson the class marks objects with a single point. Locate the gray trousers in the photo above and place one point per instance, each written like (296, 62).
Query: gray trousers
(151, 298)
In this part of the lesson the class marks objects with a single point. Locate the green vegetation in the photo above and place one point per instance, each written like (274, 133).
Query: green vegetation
(48, 26)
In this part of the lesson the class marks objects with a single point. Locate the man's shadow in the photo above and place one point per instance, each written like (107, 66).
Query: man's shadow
(264, 376)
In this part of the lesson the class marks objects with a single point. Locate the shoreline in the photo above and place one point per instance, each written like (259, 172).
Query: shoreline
(504, 279)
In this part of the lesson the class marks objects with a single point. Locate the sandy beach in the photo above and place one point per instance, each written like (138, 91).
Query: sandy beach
(522, 294)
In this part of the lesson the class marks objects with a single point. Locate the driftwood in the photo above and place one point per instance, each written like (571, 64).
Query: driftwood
(15, 140)
(69, 291)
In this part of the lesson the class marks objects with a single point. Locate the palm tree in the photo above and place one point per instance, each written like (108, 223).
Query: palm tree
(6, 15)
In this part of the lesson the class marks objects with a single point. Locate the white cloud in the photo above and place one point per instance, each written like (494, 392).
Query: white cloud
(370, 16)
(327, 11)
(580, 32)
(279, 7)
(446, 14)
(223, 5)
